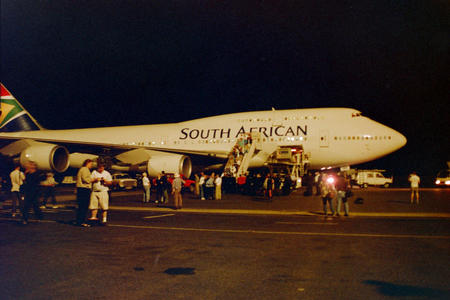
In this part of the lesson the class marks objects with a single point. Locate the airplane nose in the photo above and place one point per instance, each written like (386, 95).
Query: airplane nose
(400, 139)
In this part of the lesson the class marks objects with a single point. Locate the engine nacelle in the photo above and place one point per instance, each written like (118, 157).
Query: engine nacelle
(169, 163)
(48, 157)
(77, 159)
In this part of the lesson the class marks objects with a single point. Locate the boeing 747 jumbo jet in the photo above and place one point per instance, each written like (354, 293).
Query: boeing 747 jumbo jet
(327, 137)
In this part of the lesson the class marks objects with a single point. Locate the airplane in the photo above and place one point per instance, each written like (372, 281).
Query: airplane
(329, 137)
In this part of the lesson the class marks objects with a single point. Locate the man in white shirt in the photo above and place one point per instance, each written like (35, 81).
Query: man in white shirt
(101, 180)
(415, 181)
(146, 186)
(218, 184)
(202, 185)
(17, 178)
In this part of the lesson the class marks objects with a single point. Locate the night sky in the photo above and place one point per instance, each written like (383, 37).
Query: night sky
(77, 64)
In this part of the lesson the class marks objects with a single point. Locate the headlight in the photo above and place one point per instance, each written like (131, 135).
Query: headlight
(438, 181)
(447, 182)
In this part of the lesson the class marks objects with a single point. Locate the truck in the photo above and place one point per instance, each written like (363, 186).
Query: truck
(365, 178)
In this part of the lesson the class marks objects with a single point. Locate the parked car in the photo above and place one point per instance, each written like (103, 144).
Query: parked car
(443, 178)
(69, 180)
(123, 181)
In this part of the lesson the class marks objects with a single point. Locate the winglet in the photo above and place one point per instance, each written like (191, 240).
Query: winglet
(13, 116)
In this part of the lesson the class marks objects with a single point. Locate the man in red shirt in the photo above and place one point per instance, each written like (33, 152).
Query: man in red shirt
(241, 180)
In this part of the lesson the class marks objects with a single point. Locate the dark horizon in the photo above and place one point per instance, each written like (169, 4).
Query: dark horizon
(112, 63)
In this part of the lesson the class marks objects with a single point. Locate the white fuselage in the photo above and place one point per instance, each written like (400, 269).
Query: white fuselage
(331, 137)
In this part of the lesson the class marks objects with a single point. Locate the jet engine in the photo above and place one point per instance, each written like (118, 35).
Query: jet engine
(48, 157)
(169, 163)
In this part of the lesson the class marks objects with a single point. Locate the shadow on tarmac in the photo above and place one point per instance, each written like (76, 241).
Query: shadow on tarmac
(180, 271)
(261, 199)
(399, 201)
(398, 290)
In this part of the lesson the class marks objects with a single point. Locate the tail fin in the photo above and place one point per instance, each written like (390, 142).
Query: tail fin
(13, 117)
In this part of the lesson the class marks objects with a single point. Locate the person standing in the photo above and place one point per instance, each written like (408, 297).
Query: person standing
(165, 187)
(101, 180)
(177, 185)
(209, 185)
(201, 183)
(241, 180)
(414, 179)
(328, 193)
(17, 178)
(268, 186)
(197, 185)
(317, 182)
(159, 189)
(218, 183)
(49, 189)
(84, 185)
(31, 191)
(146, 187)
(342, 186)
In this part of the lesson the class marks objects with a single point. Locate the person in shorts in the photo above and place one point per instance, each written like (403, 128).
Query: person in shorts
(101, 180)
(414, 179)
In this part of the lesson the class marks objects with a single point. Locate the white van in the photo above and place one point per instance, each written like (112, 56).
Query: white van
(364, 178)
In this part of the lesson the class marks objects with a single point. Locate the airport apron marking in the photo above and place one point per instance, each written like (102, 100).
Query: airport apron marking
(305, 223)
(287, 232)
(159, 216)
(445, 237)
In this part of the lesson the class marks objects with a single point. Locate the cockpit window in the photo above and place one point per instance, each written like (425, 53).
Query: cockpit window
(356, 114)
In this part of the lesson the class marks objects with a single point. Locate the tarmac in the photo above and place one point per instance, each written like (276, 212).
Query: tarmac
(371, 202)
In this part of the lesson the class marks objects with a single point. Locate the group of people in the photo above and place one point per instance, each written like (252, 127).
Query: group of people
(162, 187)
(208, 186)
(211, 186)
(27, 187)
(335, 189)
(268, 185)
(93, 188)
(92, 193)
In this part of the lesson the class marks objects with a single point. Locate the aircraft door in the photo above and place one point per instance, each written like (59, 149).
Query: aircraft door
(324, 139)
(276, 118)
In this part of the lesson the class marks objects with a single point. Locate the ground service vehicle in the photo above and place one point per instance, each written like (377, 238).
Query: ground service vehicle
(364, 178)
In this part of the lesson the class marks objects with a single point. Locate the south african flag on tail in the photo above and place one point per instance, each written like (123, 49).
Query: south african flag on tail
(13, 117)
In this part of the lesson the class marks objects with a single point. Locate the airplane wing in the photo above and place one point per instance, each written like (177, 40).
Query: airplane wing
(23, 139)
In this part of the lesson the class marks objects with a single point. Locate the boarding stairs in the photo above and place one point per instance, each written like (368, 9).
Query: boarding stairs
(250, 150)
(240, 155)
